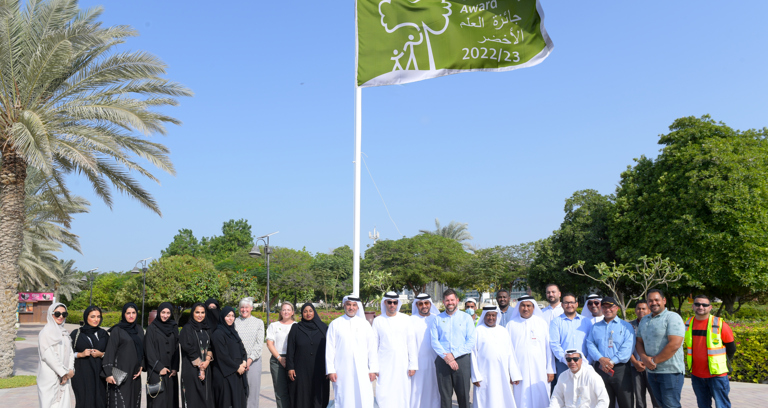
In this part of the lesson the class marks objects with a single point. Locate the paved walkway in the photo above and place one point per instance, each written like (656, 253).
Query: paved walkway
(743, 395)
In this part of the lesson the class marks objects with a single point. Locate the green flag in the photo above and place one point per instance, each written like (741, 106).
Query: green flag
(401, 41)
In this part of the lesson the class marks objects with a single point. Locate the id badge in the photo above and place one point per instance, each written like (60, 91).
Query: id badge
(610, 343)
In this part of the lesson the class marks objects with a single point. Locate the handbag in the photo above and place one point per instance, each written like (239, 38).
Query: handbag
(120, 376)
(155, 389)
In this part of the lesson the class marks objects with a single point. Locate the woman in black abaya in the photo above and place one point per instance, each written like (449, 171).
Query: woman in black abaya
(212, 313)
(125, 353)
(230, 384)
(161, 346)
(308, 386)
(196, 356)
(89, 342)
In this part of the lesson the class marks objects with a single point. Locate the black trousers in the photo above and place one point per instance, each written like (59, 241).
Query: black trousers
(449, 381)
(619, 386)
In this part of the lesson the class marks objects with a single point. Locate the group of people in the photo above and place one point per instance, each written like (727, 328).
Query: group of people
(526, 357)
(210, 359)
(517, 357)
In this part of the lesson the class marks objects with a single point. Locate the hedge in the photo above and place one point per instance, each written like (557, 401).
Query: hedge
(750, 363)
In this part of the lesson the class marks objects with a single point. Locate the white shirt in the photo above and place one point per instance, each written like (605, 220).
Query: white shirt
(552, 312)
(278, 333)
(585, 389)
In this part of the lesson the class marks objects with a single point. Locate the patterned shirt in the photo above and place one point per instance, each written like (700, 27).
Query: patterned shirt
(251, 331)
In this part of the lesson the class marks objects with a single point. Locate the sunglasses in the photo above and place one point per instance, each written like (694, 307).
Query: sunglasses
(59, 314)
(569, 359)
(594, 303)
(701, 304)
(391, 302)
(422, 303)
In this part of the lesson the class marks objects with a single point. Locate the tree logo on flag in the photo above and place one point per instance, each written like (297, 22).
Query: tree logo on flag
(433, 19)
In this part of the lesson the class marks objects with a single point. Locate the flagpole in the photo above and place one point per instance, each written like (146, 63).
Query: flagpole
(358, 159)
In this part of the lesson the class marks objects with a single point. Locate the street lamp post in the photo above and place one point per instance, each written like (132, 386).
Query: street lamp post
(90, 278)
(143, 271)
(267, 250)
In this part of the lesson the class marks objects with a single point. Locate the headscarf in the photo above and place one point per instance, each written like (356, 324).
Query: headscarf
(310, 326)
(55, 334)
(585, 312)
(89, 330)
(422, 297)
(360, 310)
(132, 330)
(212, 316)
(526, 298)
(198, 326)
(228, 329)
(390, 296)
(168, 327)
(486, 309)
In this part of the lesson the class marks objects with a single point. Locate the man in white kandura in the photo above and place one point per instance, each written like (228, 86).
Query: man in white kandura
(494, 366)
(351, 361)
(592, 310)
(424, 393)
(398, 358)
(530, 338)
(579, 386)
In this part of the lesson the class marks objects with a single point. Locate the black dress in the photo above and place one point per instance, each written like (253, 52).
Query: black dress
(162, 351)
(306, 355)
(194, 340)
(230, 388)
(90, 389)
(121, 353)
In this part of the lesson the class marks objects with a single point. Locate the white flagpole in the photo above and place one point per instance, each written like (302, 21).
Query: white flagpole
(358, 159)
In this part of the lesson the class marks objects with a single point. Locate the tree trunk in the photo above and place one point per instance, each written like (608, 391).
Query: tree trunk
(728, 302)
(12, 176)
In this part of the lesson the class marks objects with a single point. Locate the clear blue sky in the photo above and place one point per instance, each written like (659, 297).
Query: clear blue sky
(269, 134)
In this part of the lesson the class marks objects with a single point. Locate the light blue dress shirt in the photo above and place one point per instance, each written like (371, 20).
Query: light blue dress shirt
(614, 340)
(565, 334)
(452, 334)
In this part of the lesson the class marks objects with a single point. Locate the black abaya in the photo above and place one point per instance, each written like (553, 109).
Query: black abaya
(194, 340)
(162, 352)
(230, 388)
(306, 356)
(121, 353)
(90, 389)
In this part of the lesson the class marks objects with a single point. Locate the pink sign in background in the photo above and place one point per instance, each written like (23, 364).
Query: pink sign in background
(34, 296)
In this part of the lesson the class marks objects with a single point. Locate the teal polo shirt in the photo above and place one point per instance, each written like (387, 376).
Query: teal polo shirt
(654, 331)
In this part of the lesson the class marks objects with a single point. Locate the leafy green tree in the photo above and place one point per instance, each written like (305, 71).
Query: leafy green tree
(332, 273)
(703, 202)
(583, 236)
(235, 236)
(184, 243)
(417, 261)
(70, 104)
(105, 289)
(242, 284)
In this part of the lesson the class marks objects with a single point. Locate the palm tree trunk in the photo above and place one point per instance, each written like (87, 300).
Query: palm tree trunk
(12, 176)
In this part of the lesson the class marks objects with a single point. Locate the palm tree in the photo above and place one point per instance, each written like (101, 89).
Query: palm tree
(46, 228)
(456, 231)
(71, 104)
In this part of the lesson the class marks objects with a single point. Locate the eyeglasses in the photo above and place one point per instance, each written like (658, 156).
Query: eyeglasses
(697, 304)
(391, 302)
(595, 303)
(59, 314)
(569, 359)
(570, 303)
(422, 303)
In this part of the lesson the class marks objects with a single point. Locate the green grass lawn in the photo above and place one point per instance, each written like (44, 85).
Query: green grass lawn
(19, 339)
(18, 381)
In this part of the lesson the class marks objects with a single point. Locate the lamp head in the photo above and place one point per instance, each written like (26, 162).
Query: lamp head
(255, 253)
(136, 270)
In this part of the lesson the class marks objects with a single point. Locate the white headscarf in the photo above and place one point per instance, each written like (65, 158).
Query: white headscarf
(54, 334)
(585, 312)
(526, 298)
(420, 298)
(487, 309)
(390, 296)
(360, 310)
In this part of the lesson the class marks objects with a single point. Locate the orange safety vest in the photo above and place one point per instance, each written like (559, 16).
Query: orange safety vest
(718, 361)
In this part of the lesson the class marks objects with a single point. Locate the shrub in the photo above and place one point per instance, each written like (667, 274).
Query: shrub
(750, 363)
